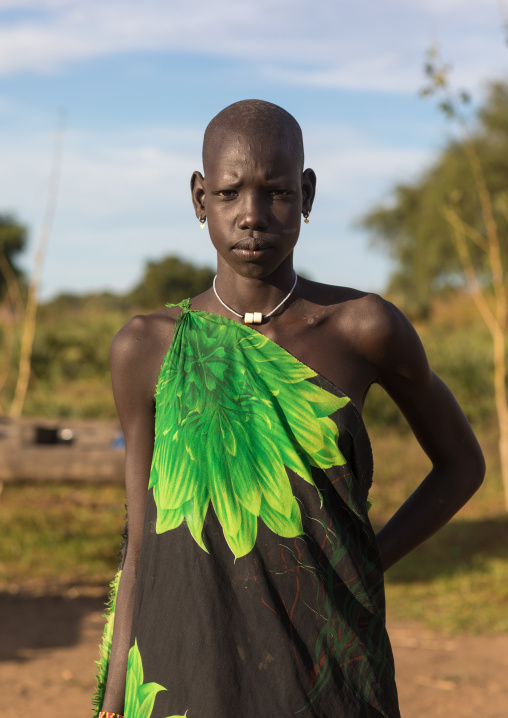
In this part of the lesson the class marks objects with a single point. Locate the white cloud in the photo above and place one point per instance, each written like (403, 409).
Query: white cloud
(383, 72)
(365, 45)
(75, 30)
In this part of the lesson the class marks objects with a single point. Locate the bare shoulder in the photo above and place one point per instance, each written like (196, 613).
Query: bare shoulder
(374, 329)
(144, 334)
(375, 322)
(137, 354)
(386, 339)
(365, 317)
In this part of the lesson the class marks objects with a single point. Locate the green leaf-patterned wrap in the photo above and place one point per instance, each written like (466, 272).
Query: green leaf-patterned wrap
(234, 409)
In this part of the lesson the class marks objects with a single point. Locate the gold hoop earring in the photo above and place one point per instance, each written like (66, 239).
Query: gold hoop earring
(202, 221)
(306, 217)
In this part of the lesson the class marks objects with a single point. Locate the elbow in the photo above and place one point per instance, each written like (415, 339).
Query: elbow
(463, 473)
(476, 461)
(480, 471)
(473, 470)
(473, 466)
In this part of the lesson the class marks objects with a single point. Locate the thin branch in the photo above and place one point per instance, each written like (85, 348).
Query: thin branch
(494, 246)
(473, 284)
(473, 234)
(33, 288)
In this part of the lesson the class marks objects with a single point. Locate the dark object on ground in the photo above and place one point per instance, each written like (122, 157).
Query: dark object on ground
(53, 435)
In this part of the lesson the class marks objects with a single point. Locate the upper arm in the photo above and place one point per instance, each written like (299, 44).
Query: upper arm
(133, 389)
(430, 408)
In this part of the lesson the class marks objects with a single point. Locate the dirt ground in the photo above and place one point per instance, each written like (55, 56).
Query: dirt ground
(48, 645)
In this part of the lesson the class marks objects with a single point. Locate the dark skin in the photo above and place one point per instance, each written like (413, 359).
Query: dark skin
(253, 198)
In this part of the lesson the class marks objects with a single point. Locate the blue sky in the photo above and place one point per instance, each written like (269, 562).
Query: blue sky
(140, 81)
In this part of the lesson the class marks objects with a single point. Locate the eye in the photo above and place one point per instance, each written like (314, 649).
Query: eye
(280, 192)
(226, 193)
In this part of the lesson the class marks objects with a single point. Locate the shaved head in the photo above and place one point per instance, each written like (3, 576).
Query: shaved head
(258, 120)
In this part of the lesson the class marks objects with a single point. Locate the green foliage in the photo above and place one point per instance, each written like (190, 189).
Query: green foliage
(75, 305)
(437, 73)
(170, 280)
(379, 410)
(13, 237)
(86, 398)
(70, 360)
(412, 228)
(462, 357)
(67, 350)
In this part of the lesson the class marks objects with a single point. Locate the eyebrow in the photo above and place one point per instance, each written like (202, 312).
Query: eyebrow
(277, 178)
(236, 179)
(230, 178)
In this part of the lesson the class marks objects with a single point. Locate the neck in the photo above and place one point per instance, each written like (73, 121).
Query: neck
(254, 294)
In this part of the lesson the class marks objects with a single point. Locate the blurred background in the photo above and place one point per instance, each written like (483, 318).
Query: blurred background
(404, 111)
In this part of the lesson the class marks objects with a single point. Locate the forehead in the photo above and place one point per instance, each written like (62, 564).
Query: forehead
(236, 153)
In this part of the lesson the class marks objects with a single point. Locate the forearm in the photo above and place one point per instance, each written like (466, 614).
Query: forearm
(443, 492)
(115, 689)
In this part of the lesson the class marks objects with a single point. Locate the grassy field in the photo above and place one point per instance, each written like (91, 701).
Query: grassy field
(60, 536)
(457, 582)
(56, 536)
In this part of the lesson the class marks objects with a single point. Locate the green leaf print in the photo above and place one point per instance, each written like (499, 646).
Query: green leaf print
(234, 409)
(139, 696)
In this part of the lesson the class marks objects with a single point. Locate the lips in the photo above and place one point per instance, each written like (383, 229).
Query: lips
(251, 254)
(252, 245)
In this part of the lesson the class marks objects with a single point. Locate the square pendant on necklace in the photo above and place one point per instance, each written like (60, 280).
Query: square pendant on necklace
(253, 318)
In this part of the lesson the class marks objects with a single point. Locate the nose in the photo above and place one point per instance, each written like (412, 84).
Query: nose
(253, 213)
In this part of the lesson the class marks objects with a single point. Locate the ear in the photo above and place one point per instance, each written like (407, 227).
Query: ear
(308, 189)
(198, 184)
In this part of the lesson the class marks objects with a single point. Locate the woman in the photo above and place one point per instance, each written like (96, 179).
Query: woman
(252, 583)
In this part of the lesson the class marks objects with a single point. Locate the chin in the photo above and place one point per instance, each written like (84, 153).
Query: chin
(254, 271)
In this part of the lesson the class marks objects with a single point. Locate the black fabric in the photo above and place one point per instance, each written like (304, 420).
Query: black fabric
(230, 638)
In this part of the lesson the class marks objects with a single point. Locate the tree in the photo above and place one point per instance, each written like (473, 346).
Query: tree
(471, 209)
(170, 280)
(12, 242)
(412, 226)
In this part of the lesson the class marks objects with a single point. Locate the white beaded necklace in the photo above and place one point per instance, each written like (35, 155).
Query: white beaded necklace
(254, 317)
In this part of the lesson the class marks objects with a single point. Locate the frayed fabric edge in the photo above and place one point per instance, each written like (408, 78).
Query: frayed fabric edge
(102, 665)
